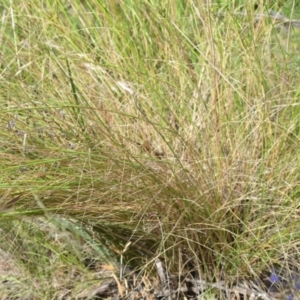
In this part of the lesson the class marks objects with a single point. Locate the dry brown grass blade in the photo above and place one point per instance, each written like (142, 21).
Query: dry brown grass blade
(120, 287)
(10, 203)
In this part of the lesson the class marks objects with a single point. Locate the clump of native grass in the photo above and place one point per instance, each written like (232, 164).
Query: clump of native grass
(164, 129)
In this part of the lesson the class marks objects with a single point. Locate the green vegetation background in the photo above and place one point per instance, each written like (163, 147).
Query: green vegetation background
(155, 127)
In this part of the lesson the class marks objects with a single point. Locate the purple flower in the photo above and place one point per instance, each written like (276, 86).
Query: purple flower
(289, 297)
(296, 281)
(297, 284)
(274, 278)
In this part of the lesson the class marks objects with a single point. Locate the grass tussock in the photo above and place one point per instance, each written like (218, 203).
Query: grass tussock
(163, 127)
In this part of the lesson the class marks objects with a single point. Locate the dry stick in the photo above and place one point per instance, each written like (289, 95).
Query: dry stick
(160, 271)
